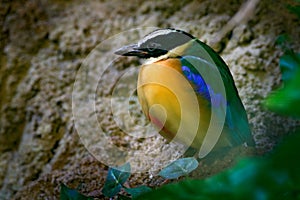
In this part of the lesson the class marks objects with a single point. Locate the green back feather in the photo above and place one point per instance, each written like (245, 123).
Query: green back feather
(236, 121)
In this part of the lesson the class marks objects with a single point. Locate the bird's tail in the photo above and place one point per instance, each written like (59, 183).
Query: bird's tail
(237, 130)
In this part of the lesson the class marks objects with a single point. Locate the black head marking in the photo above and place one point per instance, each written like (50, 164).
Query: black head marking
(156, 43)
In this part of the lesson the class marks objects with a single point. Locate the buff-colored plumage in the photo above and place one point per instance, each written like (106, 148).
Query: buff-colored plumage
(161, 83)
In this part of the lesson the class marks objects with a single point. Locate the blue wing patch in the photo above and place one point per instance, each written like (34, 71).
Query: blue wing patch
(206, 91)
(200, 85)
(197, 80)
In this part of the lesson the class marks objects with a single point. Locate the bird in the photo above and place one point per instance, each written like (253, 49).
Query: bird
(187, 91)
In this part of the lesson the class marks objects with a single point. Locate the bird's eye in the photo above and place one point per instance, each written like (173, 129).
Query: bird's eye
(152, 46)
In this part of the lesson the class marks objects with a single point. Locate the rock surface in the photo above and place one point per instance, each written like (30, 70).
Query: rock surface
(43, 45)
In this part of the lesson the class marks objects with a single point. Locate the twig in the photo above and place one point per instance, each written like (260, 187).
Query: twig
(243, 15)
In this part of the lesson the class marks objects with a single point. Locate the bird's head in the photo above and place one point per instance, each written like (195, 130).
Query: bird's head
(157, 43)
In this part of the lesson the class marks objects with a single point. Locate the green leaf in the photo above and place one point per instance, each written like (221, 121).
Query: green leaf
(289, 64)
(116, 177)
(71, 194)
(179, 168)
(285, 101)
(294, 9)
(286, 156)
(137, 191)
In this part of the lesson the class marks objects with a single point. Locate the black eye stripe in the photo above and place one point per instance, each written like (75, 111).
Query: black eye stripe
(153, 45)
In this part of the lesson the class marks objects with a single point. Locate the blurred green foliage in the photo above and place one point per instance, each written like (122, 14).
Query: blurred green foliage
(137, 191)
(276, 176)
(295, 8)
(286, 99)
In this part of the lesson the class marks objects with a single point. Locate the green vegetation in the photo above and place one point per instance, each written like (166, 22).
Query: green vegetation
(285, 100)
(273, 177)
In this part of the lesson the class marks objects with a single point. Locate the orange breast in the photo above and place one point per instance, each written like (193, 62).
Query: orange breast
(170, 102)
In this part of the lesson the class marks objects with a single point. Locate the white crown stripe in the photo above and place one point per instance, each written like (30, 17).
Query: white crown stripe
(155, 34)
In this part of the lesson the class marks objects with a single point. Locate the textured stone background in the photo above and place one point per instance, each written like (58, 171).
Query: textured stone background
(43, 44)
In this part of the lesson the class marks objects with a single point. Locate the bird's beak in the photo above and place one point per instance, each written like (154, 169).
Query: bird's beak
(131, 50)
